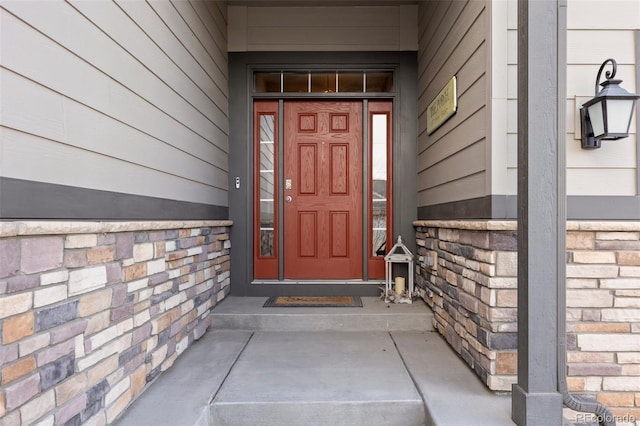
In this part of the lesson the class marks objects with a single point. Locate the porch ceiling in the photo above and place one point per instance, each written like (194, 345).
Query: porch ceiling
(298, 3)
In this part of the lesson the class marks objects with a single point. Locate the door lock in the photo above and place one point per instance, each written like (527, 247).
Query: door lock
(288, 198)
(287, 184)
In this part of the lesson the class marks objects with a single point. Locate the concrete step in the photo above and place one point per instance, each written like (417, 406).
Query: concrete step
(320, 375)
(181, 395)
(247, 313)
(452, 393)
(319, 378)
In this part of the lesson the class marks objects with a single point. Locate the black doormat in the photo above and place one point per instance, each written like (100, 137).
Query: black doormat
(313, 302)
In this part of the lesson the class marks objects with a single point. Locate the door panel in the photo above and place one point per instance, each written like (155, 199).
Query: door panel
(323, 217)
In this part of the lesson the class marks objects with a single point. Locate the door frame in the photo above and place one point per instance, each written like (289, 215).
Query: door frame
(241, 98)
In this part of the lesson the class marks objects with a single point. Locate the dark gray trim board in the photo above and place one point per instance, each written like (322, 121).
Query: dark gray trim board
(603, 208)
(498, 207)
(488, 207)
(23, 199)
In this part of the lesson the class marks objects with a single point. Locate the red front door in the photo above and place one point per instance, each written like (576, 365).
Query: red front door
(323, 190)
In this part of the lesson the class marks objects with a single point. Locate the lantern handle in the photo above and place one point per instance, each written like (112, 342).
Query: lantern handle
(609, 74)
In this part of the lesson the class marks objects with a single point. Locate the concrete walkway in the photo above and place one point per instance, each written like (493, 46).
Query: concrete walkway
(256, 373)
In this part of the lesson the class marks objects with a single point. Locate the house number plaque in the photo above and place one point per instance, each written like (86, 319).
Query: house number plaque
(443, 106)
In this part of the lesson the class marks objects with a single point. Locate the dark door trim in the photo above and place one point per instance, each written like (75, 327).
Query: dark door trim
(241, 67)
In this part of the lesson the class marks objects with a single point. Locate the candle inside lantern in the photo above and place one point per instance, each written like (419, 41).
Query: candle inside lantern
(399, 281)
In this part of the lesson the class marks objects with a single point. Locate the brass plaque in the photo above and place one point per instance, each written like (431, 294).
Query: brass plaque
(443, 106)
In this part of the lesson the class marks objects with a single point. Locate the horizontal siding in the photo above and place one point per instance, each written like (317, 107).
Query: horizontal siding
(597, 32)
(65, 121)
(128, 97)
(457, 140)
(602, 181)
(596, 14)
(447, 32)
(594, 34)
(593, 47)
(460, 189)
(307, 38)
(361, 28)
(42, 155)
(617, 154)
(462, 164)
(581, 78)
(452, 163)
(499, 74)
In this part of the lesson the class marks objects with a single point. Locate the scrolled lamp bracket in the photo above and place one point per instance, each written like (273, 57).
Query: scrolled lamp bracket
(607, 116)
(609, 74)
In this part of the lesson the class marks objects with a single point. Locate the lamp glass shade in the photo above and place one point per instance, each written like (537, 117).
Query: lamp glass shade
(597, 118)
(618, 117)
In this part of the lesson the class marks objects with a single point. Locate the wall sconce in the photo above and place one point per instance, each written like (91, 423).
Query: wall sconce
(608, 115)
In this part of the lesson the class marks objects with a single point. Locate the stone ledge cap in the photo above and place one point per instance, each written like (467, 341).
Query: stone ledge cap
(512, 225)
(473, 225)
(603, 226)
(22, 228)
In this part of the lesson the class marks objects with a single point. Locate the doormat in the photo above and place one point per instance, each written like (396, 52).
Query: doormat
(313, 302)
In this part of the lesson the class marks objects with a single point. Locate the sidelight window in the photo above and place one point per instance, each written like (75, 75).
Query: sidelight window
(380, 135)
(266, 182)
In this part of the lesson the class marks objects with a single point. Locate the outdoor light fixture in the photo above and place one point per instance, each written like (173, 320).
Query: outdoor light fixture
(608, 115)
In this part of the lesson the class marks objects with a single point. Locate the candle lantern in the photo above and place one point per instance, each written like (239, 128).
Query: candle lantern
(396, 289)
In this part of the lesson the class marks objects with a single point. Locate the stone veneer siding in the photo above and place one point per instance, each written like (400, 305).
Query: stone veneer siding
(91, 313)
(472, 289)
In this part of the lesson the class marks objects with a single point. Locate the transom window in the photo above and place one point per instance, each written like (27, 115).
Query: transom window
(326, 81)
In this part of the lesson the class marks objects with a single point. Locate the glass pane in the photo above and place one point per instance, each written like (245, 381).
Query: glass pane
(266, 128)
(267, 82)
(351, 82)
(266, 243)
(595, 114)
(381, 81)
(324, 82)
(379, 183)
(296, 82)
(619, 114)
(267, 185)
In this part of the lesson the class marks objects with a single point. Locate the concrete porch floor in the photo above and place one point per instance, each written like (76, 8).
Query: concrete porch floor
(376, 365)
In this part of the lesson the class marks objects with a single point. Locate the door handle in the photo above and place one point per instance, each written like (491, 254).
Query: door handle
(288, 198)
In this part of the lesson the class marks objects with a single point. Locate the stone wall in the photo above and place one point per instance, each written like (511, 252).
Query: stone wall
(91, 313)
(468, 271)
(603, 315)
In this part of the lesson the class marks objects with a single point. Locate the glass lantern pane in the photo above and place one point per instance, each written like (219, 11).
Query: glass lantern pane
(597, 122)
(619, 115)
